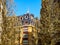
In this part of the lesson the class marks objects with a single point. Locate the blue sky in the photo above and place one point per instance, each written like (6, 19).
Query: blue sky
(22, 6)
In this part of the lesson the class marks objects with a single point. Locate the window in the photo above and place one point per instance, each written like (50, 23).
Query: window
(25, 42)
(26, 17)
(25, 36)
(25, 29)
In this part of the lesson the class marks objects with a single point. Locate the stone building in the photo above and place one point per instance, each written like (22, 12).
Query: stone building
(50, 23)
(28, 32)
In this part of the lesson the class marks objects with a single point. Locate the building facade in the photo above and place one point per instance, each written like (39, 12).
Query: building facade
(28, 32)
